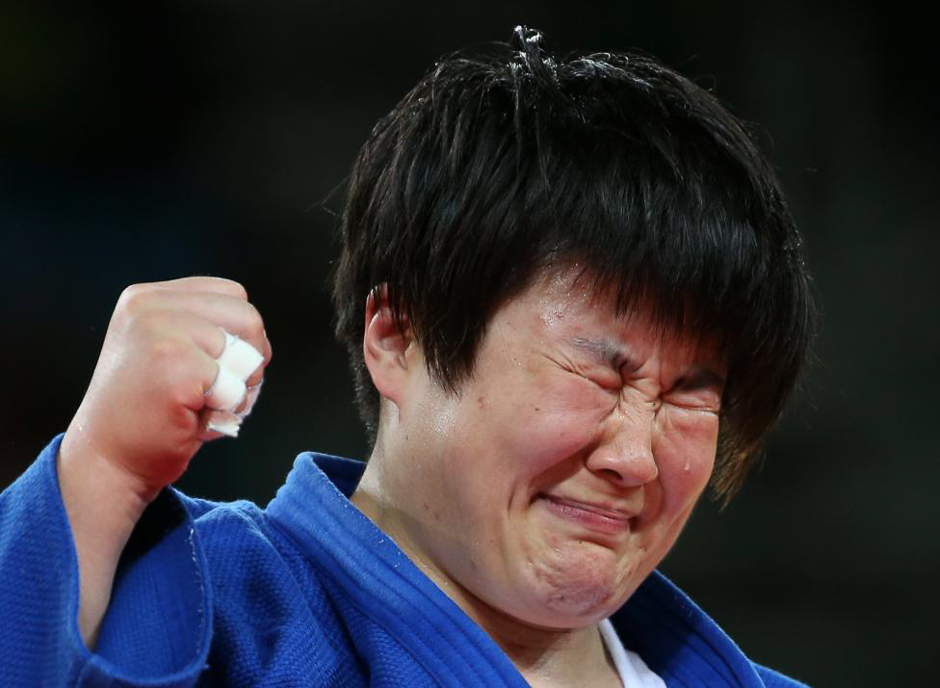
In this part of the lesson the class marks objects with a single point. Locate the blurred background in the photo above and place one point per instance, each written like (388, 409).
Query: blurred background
(147, 141)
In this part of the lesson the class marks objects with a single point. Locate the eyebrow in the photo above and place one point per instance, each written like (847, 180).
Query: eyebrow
(607, 351)
(604, 350)
(701, 377)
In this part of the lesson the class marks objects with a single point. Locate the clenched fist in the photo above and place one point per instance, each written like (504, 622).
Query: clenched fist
(146, 413)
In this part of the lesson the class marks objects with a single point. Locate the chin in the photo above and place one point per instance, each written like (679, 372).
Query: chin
(577, 591)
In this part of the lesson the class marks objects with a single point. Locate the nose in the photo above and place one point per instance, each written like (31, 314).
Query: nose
(625, 454)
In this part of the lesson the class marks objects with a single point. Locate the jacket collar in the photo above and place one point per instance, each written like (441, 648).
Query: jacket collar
(674, 637)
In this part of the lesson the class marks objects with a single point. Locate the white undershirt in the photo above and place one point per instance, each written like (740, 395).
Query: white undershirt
(632, 669)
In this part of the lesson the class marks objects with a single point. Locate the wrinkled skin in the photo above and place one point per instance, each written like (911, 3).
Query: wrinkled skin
(546, 490)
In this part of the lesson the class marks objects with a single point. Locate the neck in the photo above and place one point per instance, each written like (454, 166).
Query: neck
(544, 656)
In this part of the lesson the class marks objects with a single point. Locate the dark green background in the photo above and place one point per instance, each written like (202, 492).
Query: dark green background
(201, 137)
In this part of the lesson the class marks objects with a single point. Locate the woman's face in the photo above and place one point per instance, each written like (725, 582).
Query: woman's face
(563, 471)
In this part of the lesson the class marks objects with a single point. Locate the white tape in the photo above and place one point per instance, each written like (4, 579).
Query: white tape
(224, 422)
(230, 423)
(237, 362)
(226, 392)
(240, 357)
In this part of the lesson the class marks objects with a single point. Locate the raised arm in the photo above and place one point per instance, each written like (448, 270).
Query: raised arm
(145, 415)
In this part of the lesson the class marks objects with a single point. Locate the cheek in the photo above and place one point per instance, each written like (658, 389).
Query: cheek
(556, 421)
(685, 455)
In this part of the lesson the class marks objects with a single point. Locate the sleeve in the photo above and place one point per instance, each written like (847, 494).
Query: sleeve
(157, 630)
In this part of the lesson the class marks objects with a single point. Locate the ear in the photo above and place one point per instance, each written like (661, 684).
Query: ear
(387, 349)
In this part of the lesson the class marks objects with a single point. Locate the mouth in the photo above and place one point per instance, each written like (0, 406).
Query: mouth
(592, 516)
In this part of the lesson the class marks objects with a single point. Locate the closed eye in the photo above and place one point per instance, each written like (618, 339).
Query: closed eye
(603, 376)
(710, 403)
(608, 381)
(700, 390)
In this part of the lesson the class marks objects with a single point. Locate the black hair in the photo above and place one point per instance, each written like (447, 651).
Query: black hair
(504, 162)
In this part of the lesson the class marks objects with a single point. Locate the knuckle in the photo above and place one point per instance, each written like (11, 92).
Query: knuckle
(253, 326)
(132, 297)
(268, 353)
(256, 332)
(256, 378)
(232, 287)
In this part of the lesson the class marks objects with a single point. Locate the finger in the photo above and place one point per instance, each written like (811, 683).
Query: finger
(266, 349)
(256, 378)
(179, 371)
(205, 283)
(237, 362)
(215, 424)
(267, 352)
(235, 316)
(240, 357)
(183, 326)
(251, 397)
(211, 340)
(227, 391)
(238, 354)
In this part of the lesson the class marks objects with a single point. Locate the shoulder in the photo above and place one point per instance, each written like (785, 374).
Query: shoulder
(271, 611)
(242, 546)
(223, 523)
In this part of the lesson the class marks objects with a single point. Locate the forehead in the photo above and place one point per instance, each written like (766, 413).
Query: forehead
(569, 305)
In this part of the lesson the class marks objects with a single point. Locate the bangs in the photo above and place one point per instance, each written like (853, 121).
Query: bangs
(677, 221)
(501, 166)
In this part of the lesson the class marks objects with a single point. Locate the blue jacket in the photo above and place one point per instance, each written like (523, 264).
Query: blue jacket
(306, 592)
